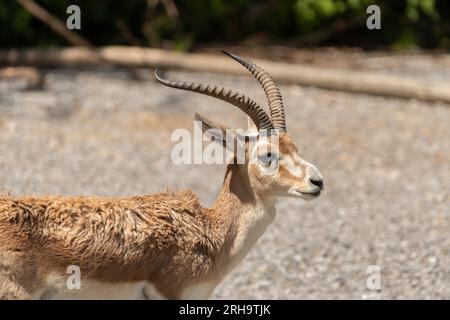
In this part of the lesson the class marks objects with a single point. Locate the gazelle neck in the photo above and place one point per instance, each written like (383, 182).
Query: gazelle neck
(240, 217)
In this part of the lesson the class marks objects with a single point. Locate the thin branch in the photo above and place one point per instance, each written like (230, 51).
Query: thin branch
(171, 9)
(56, 25)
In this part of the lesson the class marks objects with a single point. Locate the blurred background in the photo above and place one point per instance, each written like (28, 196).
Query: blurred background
(80, 114)
(189, 25)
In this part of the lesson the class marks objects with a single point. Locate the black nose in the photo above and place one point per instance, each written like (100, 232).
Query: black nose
(318, 183)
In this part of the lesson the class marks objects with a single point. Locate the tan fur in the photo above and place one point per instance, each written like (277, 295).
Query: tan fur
(161, 236)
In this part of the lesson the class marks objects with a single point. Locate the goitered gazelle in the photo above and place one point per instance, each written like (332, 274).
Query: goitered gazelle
(163, 245)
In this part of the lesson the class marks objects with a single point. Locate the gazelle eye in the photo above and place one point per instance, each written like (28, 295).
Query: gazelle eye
(266, 158)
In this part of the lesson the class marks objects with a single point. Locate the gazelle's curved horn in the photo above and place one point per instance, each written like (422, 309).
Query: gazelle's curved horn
(271, 90)
(246, 104)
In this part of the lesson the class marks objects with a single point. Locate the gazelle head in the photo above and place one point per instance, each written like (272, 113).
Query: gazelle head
(273, 165)
(279, 170)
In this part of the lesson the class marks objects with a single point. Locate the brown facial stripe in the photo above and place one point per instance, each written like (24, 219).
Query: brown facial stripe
(285, 173)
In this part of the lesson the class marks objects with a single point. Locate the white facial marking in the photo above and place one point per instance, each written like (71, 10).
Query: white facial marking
(292, 166)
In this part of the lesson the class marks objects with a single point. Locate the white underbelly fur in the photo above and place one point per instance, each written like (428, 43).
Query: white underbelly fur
(56, 289)
(200, 291)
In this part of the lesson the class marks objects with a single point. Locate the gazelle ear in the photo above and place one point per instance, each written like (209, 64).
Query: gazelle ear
(213, 130)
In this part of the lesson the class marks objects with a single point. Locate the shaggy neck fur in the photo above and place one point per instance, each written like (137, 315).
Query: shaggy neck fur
(239, 216)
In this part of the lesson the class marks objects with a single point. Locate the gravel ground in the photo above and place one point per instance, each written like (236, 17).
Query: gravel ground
(386, 164)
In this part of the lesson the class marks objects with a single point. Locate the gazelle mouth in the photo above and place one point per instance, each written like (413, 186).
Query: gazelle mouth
(306, 195)
(311, 194)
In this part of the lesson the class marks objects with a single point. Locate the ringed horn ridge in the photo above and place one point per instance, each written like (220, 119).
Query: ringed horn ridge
(271, 90)
(246, 104)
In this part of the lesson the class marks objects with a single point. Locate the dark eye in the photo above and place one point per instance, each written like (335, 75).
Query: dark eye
(266, 158)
